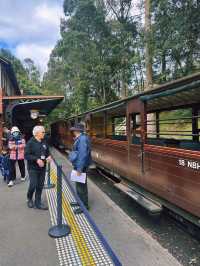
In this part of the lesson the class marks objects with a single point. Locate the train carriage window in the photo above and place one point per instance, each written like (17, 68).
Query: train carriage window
(174, 128)
(135, 128)
(152, 126)
(198, 122)
(176, 124)
(116, 128)
(119, 126)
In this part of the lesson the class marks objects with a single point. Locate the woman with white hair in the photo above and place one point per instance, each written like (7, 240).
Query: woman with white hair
(36, 154)
(16, 145)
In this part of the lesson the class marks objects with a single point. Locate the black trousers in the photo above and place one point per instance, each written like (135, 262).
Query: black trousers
(12, 175)
(37, 178)
(82, 190)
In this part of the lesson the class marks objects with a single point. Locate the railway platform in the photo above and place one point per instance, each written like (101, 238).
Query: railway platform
(24, 232)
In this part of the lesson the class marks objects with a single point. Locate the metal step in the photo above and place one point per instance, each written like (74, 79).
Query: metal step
(149, 204)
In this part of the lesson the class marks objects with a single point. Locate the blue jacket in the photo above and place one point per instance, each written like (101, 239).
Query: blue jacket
(82, 150)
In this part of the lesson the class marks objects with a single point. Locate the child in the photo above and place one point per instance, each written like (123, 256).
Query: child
(4, 164)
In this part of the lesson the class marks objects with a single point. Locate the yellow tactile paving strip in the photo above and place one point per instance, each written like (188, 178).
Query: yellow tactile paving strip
(83, 251)
(82, 246)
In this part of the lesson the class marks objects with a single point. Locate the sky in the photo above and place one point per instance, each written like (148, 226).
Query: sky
(30, 28)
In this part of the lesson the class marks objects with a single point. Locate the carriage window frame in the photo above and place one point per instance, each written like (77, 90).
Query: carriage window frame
(183, 137)
(180, 132)
(135, 123)
(119, 121)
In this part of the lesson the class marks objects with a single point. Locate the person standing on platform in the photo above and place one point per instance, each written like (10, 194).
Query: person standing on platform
(37, 154)
(80, 158)
(16, 145)
(6, 136)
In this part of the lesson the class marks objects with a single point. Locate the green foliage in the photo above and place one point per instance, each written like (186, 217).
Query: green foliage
(93, 61)
(32, 71)
(27, 85)
(176, 33)
(101, 54)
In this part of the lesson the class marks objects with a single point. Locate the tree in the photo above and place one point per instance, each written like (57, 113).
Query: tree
(176, 33)
(26, 85)
(106, 52)
(32, 71)
(148, 48)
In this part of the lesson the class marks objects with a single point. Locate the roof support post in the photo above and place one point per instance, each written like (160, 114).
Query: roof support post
(195, 129)
(105, 124)
(128, 129)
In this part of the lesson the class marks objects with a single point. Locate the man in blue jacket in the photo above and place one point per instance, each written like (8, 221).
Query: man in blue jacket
(81, 159)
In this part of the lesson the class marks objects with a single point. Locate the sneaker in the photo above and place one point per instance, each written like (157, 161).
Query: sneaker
(74, 204)
(78, 211)
(23, 179)
(30, 204)
(41, 207)
(10, 184)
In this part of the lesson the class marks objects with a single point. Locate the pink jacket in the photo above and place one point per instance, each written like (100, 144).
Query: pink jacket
(16, 148)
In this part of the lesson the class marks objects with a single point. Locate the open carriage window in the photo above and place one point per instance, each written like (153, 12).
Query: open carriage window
(152, 126)
(135, 128)
(176, 124)
(198, 121)
(174, 128)
(117, 128)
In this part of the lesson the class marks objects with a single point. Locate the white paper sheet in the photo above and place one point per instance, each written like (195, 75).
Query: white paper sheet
(76, 178)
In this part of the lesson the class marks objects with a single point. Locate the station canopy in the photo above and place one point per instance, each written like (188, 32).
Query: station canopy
(19, 109)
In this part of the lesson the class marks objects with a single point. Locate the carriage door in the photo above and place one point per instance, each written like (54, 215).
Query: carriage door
(135, 129)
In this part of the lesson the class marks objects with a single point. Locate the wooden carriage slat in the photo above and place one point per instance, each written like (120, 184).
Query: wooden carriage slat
(170, 171)
(173, 151)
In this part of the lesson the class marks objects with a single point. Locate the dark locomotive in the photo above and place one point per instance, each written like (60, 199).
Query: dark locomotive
(150, 141)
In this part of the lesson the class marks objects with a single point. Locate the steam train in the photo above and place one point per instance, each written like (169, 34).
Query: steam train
(150, 141)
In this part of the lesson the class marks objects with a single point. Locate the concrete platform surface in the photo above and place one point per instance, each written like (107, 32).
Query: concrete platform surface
(130, 242)
(24, 239)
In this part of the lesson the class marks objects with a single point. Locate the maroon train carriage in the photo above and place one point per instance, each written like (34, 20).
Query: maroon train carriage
(151, 142)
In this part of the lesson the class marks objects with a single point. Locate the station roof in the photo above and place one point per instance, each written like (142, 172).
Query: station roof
(20, 106)
(9, 69)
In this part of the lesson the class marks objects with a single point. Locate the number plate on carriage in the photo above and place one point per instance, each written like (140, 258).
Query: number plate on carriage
(189, 164)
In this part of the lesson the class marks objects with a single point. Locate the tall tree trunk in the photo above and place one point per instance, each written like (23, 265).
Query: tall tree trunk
(124, 92)
(148, 63)
(148, 50)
